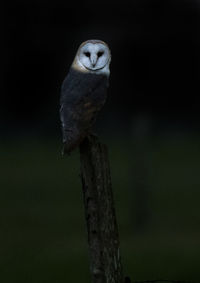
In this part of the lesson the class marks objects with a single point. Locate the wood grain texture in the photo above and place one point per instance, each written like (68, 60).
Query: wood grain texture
(103, 238)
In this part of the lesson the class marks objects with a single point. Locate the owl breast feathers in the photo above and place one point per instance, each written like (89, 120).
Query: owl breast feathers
(82, 96)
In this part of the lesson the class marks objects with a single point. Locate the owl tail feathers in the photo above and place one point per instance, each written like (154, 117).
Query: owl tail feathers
(71, 145)
(67, 149)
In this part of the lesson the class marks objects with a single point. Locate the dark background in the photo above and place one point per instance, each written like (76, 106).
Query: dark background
(150, 123)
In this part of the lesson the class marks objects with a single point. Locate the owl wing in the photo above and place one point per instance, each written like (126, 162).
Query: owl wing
(82, 97)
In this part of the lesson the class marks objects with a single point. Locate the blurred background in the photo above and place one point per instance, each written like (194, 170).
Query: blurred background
(150, 124)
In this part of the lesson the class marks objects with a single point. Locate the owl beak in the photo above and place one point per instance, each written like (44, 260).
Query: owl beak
(93, 60)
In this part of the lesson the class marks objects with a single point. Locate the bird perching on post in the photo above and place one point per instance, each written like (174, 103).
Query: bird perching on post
(83, 92)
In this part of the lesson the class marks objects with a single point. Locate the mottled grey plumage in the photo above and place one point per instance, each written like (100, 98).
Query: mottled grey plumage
(83, 94)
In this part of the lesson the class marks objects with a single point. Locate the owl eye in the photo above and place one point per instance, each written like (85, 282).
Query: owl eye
(87, 54)
(100, 53)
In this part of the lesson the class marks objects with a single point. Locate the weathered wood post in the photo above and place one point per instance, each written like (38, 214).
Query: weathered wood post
(103, 239)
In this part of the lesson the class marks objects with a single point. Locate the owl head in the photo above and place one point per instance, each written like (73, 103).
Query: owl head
(93, 56)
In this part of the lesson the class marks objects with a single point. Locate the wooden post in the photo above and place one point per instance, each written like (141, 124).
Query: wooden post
(103, 239)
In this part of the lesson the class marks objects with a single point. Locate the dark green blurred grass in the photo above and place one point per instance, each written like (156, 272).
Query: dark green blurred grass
(43, 236)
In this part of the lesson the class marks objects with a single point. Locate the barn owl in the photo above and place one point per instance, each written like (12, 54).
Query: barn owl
(84, 91)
